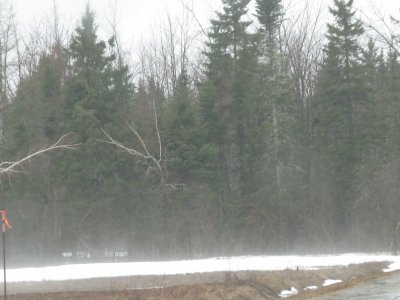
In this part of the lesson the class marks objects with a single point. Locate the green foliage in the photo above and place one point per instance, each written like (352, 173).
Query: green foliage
(97, 95)
(348, 125)
(245, 166)
(188, 155)
(270, 14)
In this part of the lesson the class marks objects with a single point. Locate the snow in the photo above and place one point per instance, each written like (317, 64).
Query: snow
(311, 288)
(393, 267)
(252, 263)
(329, 282)
(285, 294)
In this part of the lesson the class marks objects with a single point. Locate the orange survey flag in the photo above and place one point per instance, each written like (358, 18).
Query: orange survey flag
(4, 218)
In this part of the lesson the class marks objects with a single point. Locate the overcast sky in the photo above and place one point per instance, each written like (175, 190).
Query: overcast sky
(137, 16)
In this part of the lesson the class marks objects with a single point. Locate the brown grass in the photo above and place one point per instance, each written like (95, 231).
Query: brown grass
(230, 286)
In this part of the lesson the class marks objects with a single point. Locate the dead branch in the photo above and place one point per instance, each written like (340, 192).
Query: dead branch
(11, 167)
(190, 10)
(385, 33)
(144, 153)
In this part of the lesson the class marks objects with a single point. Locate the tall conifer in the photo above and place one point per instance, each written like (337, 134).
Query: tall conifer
(343, 107)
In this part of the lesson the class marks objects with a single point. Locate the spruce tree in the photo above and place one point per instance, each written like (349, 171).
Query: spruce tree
(220, 102)
(187, 157)
(270, 14)
(226, 102)
(275, 98)
(278, 112)
(35, 119)
(97, 95)
(343, 104)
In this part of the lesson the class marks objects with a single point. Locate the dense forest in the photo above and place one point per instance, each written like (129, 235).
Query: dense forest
(269, 137)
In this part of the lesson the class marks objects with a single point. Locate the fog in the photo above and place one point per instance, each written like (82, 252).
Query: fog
(197, 134)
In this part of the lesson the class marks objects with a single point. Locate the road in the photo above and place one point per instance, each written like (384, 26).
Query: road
(384, 289)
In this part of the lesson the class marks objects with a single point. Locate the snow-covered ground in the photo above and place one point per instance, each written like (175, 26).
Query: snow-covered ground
(254, 263)
(329, 282)
(288, 293)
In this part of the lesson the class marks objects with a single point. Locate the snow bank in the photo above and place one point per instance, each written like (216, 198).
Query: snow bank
(393, 267)
(329, 282)
(311, 288)
(253, 263)
(285, 294)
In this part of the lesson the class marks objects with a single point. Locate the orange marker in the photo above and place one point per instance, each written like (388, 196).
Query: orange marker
(4, 219)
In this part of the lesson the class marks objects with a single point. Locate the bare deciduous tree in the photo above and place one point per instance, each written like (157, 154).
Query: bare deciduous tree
(174, 46)
(384, 30)
(302, 42)
(302, 39)
(8, 55)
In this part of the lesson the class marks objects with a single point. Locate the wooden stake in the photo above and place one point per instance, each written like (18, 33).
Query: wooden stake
(4, 259)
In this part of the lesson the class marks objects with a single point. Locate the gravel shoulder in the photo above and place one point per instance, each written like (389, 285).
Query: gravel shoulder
(218, 285)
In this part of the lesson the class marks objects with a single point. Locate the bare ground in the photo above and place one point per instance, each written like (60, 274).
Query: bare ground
(237, 285)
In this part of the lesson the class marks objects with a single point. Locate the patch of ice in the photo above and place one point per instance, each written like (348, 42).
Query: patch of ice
(291, 292)
(311, 288)
(329, 282)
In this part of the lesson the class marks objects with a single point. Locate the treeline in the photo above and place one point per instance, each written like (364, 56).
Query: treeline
(275, 139)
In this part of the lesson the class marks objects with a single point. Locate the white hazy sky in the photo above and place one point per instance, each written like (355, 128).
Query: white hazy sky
(137, 16)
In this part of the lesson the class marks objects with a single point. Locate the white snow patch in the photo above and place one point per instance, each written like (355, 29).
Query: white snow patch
(291, 292)
(311, 288)
(227, 264)
(329, 282)
(393, 267)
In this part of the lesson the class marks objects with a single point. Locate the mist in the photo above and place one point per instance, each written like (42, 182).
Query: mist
(270, 134)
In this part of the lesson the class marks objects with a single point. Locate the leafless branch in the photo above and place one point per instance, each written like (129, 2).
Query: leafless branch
(190, 10)
(143, 154)
(83, 218)
(385, 33)
(10, 167)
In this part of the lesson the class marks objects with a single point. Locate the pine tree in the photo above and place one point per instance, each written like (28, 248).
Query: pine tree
(187, 157)
(390, 92)
(226, 103)
(34, 120)
(270, 14)
(228, 32)
(97, 95)
(343, 103)
(278, 115)
(229, 42)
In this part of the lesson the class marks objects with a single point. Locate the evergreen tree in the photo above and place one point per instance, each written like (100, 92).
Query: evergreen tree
(270, 14)
(35, 119)
(277, 112)
(390, 92)
(187, 157)
(228, 40)
(226, 101)
(375, 129)
(97, 95)
(343, 106)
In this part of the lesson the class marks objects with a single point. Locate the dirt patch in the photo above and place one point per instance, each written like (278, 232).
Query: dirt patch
(237, 285)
